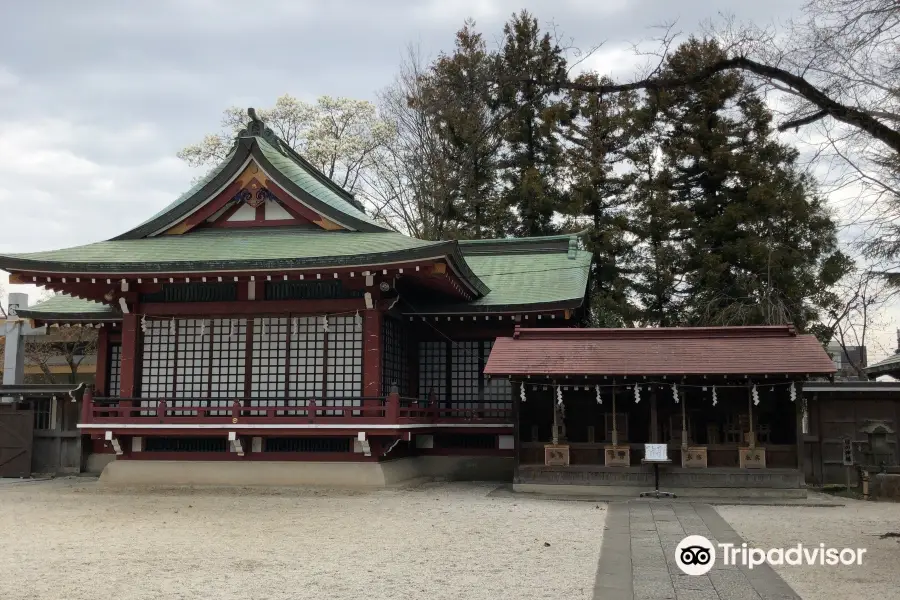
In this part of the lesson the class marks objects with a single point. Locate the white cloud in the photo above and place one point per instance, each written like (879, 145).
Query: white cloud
(457, 11)
(8, 79)
(64, 184)
(618, 61)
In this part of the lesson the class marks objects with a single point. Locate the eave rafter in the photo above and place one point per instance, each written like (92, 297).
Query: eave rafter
(109, 287)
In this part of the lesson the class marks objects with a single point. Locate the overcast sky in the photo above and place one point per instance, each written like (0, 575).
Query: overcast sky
(96, 97)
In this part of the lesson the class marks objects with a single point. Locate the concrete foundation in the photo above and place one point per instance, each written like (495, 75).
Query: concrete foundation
(590, 480)
(95, 463)
(622, 491)
(305, 473)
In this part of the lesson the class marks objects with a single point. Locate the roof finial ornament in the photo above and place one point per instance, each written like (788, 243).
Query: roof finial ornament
(256, 127)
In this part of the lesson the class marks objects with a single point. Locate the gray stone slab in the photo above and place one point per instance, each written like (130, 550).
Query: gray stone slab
(614, 570)
(637, 559)
(731, 584)
(653, 589)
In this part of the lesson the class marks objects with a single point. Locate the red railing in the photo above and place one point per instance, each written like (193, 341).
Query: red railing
(391, 409)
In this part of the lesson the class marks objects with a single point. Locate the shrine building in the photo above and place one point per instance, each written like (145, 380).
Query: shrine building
(263, 329)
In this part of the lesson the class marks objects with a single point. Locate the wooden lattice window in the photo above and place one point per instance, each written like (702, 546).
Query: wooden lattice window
(465, 369)
(268, 364)
(114, 371)
(454, 371)
(395, 364)
(497, 391)
(192, 375)
(229, 373)
(306, 367)
(158, 362)
(343, 364)
(433, 370)
(290, 360)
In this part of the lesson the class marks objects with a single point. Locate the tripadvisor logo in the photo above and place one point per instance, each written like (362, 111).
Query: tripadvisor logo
(696, 555)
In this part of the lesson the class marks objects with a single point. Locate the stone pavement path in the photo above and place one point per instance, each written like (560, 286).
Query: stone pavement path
(637, 560)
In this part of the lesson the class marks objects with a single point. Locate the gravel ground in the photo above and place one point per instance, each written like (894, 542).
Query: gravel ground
(857, 525)
(72, 539)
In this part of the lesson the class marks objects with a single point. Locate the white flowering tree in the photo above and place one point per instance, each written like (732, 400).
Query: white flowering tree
(340, 136)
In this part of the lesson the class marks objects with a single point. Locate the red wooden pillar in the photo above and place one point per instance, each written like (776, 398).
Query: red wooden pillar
(372, 325)
(130, 339)
(101, 374)
(87, 406)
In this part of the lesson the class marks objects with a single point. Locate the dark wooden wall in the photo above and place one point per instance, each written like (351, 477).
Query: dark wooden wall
(836, 415)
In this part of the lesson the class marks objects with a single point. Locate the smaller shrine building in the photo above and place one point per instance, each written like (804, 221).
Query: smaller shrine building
(727, 401)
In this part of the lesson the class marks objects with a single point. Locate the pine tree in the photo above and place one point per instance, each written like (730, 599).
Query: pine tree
(532, 153)
(658, 227)
(597, 132)
(457, 98)
(761, 247)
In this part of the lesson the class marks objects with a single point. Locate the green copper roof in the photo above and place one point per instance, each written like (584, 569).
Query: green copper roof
(888, 366)
(197, 187)
(66, 307)
(303, 177)
(280, 162)
(543, 277)
(228, 249)
(517, 281)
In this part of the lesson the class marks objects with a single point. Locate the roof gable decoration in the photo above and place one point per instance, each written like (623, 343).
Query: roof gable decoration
(282, 177)
(251, 199)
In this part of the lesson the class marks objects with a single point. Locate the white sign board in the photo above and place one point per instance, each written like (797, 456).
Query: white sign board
(656, 452)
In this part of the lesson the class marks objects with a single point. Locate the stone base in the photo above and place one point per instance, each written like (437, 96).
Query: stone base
(617, 456)
(306, 473)
(752, 458)
(641, 478)
(556, 455)
(884, 486)
(694, 457)
(630, 491)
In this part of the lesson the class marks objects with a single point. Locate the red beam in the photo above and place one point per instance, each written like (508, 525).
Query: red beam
(255, 308)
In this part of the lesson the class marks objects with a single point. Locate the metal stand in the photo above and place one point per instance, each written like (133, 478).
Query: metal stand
(656, 493)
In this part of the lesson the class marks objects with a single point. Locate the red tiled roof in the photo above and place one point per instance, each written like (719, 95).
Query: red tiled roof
(659, 351)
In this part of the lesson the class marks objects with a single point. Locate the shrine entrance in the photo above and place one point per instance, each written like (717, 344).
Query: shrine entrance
(709, 423)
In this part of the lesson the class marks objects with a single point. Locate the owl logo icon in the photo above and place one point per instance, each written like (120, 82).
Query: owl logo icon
(695, 555)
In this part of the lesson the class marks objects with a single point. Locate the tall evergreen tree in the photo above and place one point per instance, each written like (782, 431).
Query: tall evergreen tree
(532, 153)
(457, 98)
(658, 228)
(597, 133)
(762, 247)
